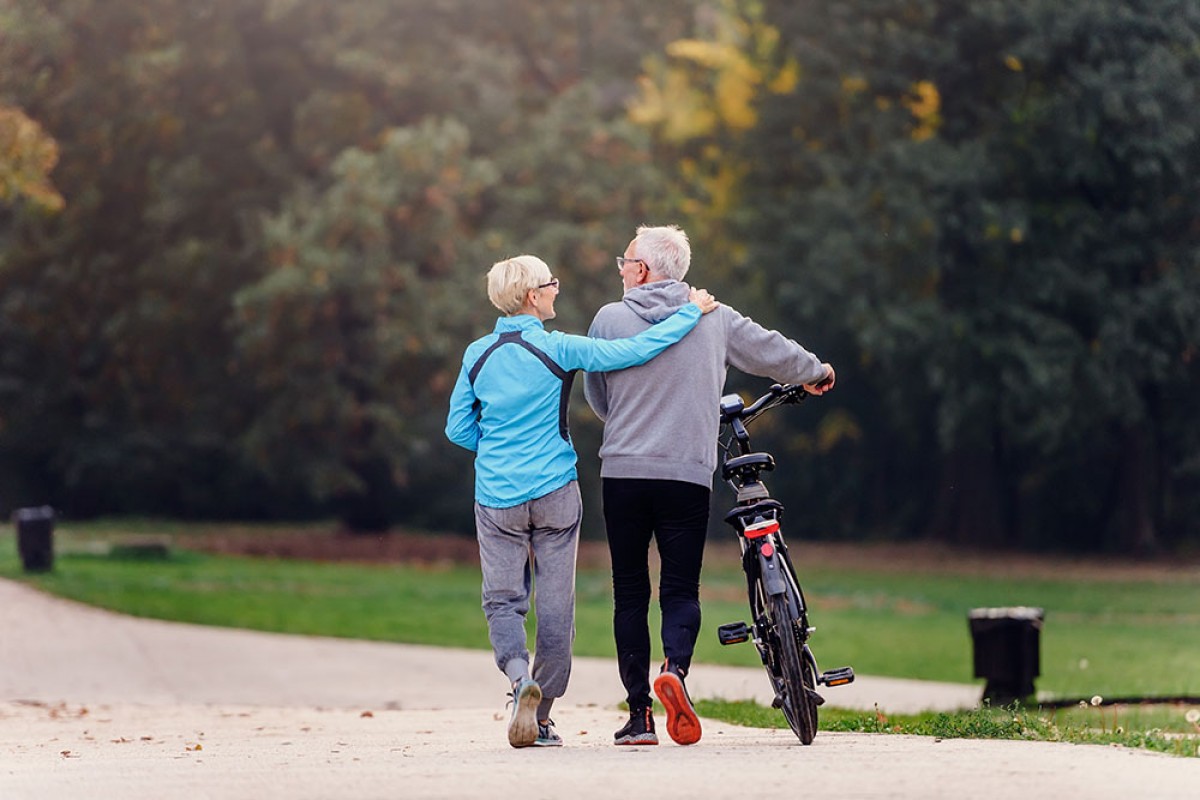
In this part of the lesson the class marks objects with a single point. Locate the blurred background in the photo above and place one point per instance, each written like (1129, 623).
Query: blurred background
(242, 247)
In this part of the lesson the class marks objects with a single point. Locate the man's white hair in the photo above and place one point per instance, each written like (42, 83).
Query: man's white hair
(665, 249)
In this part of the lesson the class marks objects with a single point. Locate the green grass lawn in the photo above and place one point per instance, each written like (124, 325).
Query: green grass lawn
(1162, 728)
(1108, 638)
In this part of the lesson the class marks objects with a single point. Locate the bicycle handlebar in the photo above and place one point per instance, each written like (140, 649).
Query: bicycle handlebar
(779, 394)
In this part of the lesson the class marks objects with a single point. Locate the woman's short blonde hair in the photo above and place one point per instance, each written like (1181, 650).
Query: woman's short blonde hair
(509, 281)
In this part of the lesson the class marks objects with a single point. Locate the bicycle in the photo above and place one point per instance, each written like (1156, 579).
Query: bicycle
(780, 627)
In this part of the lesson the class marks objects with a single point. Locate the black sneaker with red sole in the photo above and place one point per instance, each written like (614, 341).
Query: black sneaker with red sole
(683, 725)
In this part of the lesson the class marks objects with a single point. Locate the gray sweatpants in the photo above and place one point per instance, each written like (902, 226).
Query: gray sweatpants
(520, 548)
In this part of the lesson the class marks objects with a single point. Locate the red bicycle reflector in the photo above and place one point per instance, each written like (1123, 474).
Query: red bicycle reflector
(760, 529)
(767, 549)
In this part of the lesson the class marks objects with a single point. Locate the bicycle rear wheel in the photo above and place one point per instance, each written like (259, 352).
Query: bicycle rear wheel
(797, 675)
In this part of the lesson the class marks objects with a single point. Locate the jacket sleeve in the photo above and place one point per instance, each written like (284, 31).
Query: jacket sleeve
(605, 355)
(462, 423)
(595, 384)
(769, 354)
(595, 391)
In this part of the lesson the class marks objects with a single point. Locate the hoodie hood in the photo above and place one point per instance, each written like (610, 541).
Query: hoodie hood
(656, 301)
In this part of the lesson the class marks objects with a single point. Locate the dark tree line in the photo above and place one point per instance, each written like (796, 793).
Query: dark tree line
(242, 244)
(1000, 225)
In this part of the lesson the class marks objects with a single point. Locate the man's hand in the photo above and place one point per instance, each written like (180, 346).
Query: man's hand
(702, 298)
(825, 384)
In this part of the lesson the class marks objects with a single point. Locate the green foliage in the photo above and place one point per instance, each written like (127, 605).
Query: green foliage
(988, 211)
(348, 340)
(276, 219)
(275, 215)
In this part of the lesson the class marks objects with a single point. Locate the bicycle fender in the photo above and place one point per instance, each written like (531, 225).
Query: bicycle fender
(772, 575)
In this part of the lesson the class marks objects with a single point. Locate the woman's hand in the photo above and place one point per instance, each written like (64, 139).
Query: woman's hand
(702, 298)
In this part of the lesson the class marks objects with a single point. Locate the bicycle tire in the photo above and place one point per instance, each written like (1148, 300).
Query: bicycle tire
(766, 642)
(796, 672)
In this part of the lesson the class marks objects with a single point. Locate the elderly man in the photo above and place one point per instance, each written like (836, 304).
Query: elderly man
(658, 456)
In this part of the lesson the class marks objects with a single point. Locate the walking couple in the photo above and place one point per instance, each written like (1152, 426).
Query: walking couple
(655, 366)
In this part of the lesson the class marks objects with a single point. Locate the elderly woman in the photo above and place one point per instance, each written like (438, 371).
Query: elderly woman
(509, 406)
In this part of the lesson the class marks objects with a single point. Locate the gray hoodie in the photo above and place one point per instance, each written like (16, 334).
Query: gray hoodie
(661, 419)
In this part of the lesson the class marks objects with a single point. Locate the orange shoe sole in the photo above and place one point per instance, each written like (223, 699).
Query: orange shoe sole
(683, 725)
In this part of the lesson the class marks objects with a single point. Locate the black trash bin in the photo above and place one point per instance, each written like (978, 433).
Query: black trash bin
(1007, 651)
(35, 537)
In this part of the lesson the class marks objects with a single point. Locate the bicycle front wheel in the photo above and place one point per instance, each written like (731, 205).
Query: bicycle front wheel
(796, 671)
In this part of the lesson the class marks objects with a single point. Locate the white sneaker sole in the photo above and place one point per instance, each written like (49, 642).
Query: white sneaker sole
(522, 728)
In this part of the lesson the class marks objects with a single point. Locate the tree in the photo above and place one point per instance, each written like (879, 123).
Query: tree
(138, 373)
(998, 199)
(116, 308)
(348, 337)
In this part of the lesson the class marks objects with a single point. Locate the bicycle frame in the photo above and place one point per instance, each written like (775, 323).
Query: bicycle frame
(756, 518)
(780, 626)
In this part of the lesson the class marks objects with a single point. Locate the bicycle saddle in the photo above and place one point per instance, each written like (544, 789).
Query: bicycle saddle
(749, 464)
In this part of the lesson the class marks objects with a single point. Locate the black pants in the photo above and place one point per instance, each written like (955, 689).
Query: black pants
(676, 515)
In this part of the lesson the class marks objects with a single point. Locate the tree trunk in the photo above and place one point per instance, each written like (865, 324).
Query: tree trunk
(968, 508)
(1132, 528)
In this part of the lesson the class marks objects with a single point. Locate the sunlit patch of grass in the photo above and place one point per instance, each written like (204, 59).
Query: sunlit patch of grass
(1011, 722)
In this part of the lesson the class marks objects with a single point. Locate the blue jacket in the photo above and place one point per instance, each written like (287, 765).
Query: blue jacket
(509, 404)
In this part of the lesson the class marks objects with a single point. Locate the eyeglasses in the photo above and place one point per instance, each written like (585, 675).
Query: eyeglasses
(553, 282)
(622, 261)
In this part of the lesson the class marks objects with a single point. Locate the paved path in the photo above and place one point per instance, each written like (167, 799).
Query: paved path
(98, 705)
(57, 650)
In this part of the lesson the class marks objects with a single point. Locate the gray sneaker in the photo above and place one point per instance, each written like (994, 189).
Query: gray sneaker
(547, 736)
(523, 725)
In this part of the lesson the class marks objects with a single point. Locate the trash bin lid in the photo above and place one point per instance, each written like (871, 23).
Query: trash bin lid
(1009, 612)
(33, 513)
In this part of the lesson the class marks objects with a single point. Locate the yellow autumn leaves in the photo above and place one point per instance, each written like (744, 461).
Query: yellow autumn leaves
(707, 87)
(27, 155)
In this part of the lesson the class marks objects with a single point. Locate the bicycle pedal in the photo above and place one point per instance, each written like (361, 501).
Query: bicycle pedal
(733, 633)
(816, 698)
(839, 676)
